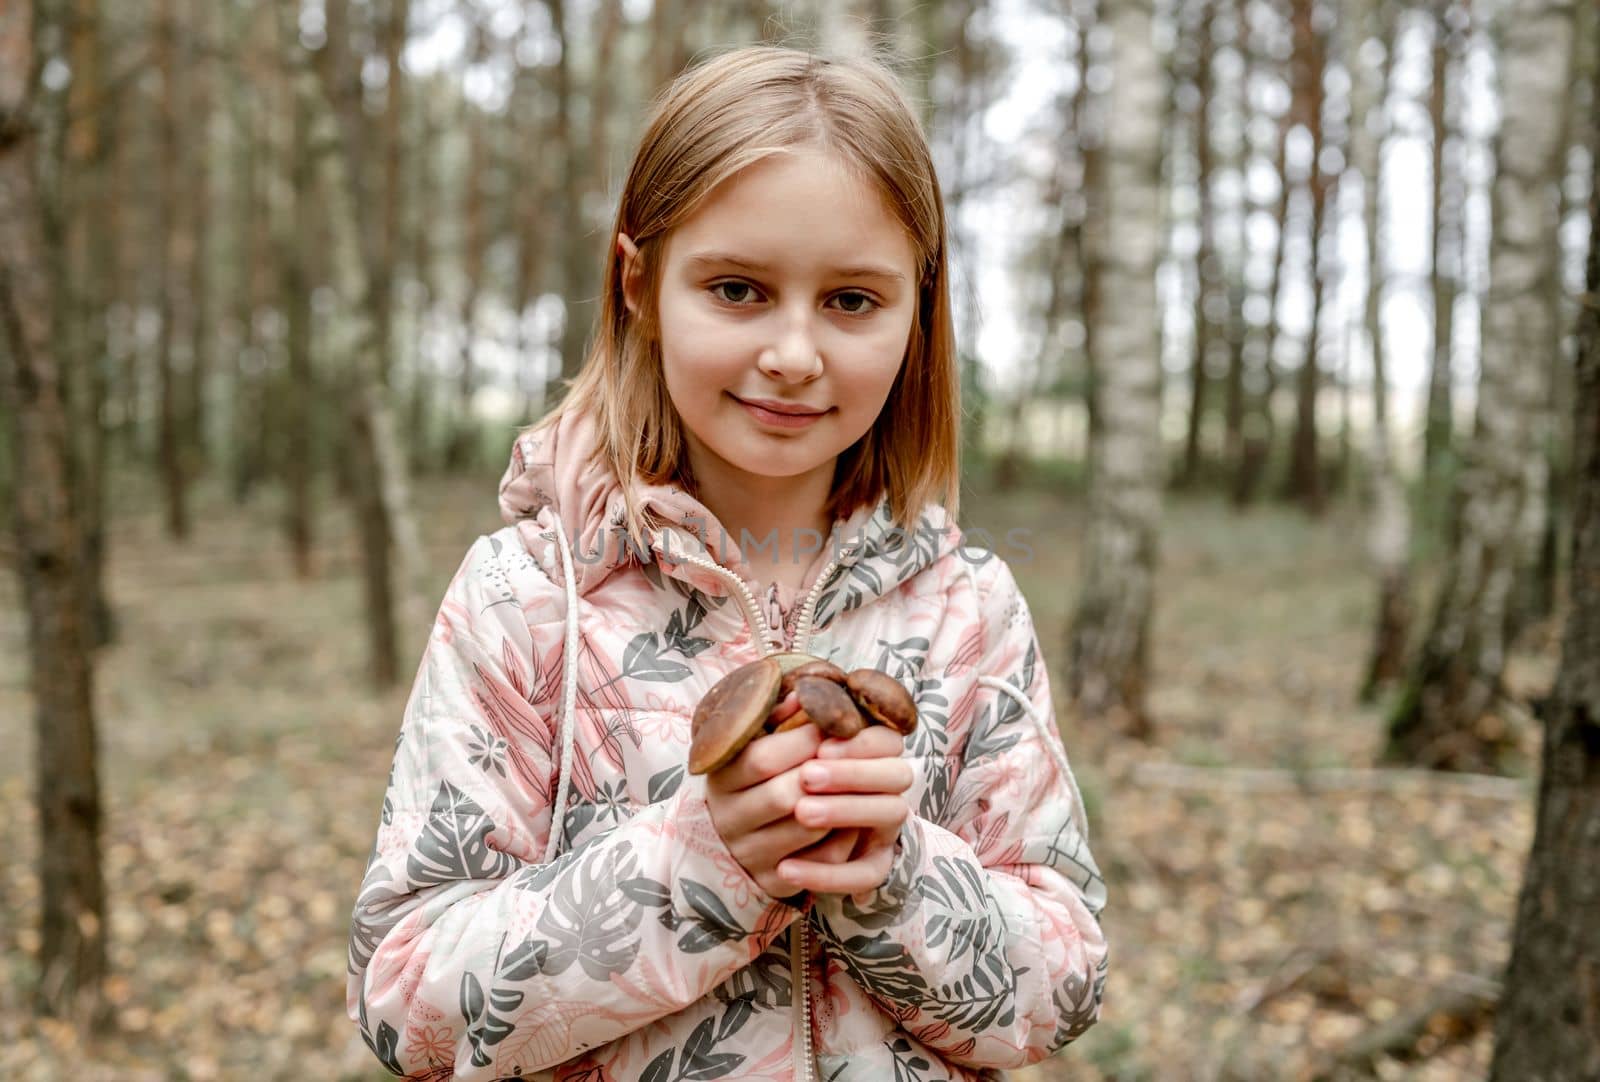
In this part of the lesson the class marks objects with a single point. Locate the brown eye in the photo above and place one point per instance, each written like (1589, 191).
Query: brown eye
(862, 302)
(743, 296)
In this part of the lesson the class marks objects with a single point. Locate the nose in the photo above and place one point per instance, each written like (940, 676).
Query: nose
(794, 356)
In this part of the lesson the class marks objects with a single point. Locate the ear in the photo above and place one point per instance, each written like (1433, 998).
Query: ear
(632, 272)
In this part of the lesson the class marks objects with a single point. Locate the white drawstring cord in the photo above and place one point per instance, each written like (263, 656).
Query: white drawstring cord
(565, 722)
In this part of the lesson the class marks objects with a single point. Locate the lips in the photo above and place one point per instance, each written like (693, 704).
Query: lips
(788, 409)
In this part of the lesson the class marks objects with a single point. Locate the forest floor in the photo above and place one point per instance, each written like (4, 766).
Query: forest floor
(1267, 913)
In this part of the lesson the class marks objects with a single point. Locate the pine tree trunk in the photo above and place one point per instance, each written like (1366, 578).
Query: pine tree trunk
(72, 958)
(169, 262)
(1447, 251)
(1305, 482)
(92, 234)
(1110, 631)
(1547, 1027)
(294, 247)
(198, 183)
(1445, 719)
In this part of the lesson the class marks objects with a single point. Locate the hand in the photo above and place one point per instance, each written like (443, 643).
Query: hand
(752, 798)
(854, 784)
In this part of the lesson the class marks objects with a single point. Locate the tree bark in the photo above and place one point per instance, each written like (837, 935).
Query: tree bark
(197, 117)
(1109, 639)
(1444, 719)
(391, 550)
(92, 233)
(1305, 482)
(1206, 274)
(1389, 529)
(1547, 1027)
(1447, 246)
(169, 269)
(50, 564)
(295, 241)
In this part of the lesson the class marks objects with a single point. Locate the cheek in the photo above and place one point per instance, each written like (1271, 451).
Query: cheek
(695, 345)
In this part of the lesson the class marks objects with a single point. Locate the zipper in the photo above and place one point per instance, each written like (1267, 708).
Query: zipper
(801, 994)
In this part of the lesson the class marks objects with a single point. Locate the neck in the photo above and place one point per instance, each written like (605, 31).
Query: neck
(768, 517)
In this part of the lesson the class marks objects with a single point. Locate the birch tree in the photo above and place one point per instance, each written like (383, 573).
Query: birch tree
(1444, 719)
(1109, 639)
(1545, 1026)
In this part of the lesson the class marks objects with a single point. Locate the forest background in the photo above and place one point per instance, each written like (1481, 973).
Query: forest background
(1271, 320)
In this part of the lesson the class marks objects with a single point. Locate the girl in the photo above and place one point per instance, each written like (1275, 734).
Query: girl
(750, 461)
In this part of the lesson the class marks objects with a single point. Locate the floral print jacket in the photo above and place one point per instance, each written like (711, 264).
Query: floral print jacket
(644, 950)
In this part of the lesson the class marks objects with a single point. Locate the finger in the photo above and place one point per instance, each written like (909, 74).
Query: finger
(856, 776)
(873, 742)
(747, 810)
(787, 706)
(852, 877)
(835, 847)
(768, 845)
(871, 811)
(765, 757)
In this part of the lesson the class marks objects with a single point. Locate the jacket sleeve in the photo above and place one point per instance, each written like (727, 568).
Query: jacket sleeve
(984, 940)
(466, 954)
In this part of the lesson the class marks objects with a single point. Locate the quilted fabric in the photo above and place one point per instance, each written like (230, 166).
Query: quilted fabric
(645, 951)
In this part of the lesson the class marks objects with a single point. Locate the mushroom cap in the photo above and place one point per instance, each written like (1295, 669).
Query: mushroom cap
(830, 706)
(883, 698)
(814, 667)
(731, 714)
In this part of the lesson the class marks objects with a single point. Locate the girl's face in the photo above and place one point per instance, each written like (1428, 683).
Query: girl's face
(785, 306)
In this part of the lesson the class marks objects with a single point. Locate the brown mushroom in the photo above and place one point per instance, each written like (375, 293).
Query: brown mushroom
(814, 667)
(731, 714)
(883, 699)
(827, 704)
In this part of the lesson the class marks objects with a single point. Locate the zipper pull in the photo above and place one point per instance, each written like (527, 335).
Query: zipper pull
(775, 618)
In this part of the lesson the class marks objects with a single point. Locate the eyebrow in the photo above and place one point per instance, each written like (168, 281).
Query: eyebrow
(706, 260)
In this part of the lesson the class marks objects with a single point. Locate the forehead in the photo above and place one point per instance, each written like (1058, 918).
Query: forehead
(801, 208)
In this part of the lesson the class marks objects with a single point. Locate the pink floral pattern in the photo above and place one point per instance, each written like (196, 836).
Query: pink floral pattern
(645, 950)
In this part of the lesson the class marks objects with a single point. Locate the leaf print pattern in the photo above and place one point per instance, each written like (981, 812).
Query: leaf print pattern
(587, 918)
(455, 843)
(644, 950)
(487, 752)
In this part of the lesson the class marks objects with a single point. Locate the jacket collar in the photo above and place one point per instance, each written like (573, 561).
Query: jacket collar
(555, 473)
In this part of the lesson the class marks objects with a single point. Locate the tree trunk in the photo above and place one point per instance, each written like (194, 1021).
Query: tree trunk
(1305, 482)
(169, 264)
(1110, 630)
(1445, 718)
(1447, 249)
(575, 249)
(1547, 1027)
(423, 188)
(531, 224)
(72, 956)
(294, 247)
(1261, 430)
(391, 549)
(198, 184)
(1238, 332)
(1389, 529)
(92, 236)
(1206, 255)
(464, 435)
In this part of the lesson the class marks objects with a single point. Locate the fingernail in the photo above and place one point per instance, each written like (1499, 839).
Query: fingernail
(808, 811)
(814, 774)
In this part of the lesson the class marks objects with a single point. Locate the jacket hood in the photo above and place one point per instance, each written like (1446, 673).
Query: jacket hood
(557, 475)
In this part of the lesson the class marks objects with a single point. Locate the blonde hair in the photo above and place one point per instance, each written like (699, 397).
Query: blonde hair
(710, 122)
